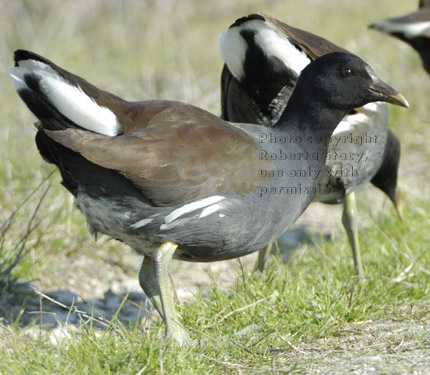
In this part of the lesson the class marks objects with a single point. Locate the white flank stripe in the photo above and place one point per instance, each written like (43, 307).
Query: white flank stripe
(170, 225)
(233, 47)
(141, 223)
(190, 207)
(408, 29)
(68, 99)
(209, 210)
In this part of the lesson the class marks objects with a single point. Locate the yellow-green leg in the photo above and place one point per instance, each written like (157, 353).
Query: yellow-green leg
(263, 254)
(349, 220)
(155, 282)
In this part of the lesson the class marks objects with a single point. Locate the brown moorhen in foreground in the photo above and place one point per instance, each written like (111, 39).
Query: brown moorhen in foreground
(174, 181)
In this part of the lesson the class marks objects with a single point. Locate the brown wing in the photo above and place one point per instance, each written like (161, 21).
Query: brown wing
(312, 44)
(183, 153)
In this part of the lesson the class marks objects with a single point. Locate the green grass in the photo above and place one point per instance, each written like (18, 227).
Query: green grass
(313, 296)
(169, 50)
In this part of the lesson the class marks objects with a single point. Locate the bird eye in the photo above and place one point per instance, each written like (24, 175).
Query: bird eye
(346, 72)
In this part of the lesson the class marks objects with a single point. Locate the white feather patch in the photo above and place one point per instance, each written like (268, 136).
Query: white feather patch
(17, 78)
(377, 111)
(233, 50)
(68, 99)
(273, 43)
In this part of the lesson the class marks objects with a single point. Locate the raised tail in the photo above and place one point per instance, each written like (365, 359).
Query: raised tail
(61, 100)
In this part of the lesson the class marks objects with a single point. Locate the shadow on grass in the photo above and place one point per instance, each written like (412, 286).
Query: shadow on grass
(22, 305)
(25, 306)
(294, 239)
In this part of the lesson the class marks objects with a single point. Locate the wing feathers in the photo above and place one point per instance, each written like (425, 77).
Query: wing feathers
(173, 162)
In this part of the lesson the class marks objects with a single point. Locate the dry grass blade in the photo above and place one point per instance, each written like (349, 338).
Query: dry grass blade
(239, 309)
(10, 259)
(295, 348)
(82, 314)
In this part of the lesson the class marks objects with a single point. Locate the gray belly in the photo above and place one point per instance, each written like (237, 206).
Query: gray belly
(114, 220)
